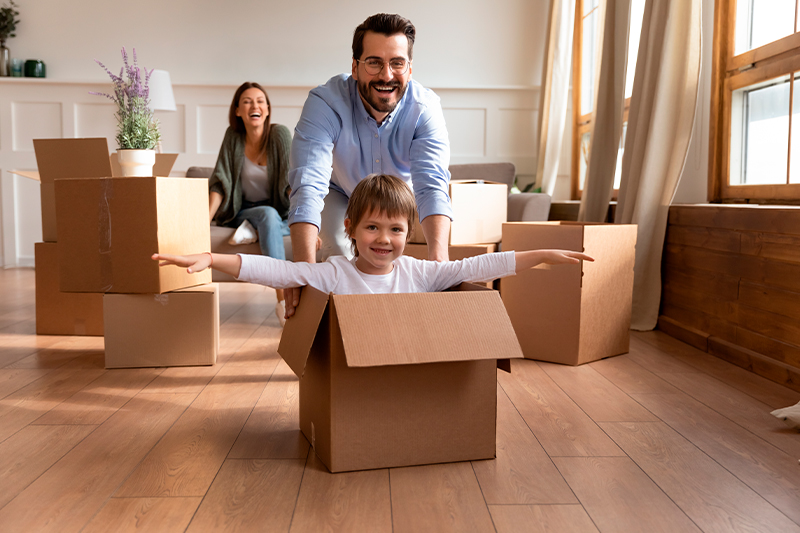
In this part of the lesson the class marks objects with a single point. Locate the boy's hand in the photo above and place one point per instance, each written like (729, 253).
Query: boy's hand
(194, 262)
(563, 257)
(532, 258)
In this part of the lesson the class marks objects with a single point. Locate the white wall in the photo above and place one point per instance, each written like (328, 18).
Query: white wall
(482, 58)
(460, 43)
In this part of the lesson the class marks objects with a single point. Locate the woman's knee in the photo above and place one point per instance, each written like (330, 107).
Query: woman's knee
(264, 213)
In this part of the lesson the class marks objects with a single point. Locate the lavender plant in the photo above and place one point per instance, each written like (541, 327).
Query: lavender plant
(136, 127)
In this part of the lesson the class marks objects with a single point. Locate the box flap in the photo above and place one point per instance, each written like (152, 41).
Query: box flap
(30, 174)
(300, 330)
(208, 287)
(72, 158)
(399, 329)
(164, 164)
(162, 167)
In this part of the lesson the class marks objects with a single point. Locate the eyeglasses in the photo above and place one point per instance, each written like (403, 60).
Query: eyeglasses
(375, 66)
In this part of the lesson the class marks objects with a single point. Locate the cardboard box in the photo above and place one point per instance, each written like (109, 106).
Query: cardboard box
(456, 253)
(479, 210)
(109, 228)
(572, 314)
(179, 328)
(391, 380)
(75, 158)
(62, 313)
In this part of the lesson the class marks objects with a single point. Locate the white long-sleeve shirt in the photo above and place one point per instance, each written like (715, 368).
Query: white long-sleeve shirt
(340, 276)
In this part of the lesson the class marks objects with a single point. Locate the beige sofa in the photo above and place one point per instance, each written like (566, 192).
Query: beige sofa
(521, 207)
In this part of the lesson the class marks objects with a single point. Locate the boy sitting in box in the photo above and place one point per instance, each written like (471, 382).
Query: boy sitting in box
(379, 216)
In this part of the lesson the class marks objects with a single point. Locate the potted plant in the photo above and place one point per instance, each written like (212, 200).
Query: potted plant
(8, 23)
(137, 130)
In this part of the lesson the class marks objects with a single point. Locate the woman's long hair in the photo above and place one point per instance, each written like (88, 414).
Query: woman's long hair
(238, 124)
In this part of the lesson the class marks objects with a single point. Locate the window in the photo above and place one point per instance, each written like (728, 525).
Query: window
(755, 107)
(584, 68)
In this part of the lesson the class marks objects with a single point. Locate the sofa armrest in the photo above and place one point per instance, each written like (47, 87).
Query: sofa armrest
(199, 172)
(528, 207)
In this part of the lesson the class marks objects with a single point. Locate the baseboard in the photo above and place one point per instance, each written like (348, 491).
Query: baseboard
(680, 331)
(759, 364)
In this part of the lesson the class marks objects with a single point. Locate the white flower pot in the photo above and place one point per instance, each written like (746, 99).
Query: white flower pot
(136, 162)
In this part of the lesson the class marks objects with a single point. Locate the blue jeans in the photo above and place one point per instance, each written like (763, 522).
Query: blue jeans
(269, 225)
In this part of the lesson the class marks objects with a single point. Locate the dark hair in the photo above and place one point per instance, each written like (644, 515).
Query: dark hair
(382, 193)
(238, 124)
(387, 25)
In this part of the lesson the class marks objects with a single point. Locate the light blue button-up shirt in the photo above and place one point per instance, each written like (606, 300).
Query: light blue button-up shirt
(337, 144)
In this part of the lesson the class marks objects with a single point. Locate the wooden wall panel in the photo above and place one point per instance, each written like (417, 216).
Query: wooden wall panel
(733, 273)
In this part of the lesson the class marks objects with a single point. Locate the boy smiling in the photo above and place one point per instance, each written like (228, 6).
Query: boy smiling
(379, 214)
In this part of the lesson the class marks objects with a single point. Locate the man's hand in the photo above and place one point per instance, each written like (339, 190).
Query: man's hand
(437, 232)
(304, 249)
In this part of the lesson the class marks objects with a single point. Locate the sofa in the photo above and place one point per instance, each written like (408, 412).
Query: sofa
(521, 206)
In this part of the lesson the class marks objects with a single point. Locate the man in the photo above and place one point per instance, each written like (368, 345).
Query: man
(377, 120)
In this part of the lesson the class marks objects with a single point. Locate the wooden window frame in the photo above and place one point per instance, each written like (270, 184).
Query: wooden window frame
(581, 124)
(730, 73)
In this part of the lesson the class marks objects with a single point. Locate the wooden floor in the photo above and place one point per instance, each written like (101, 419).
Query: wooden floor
(665, 438)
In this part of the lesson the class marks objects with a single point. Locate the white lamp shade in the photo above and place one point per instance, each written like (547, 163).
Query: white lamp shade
(161, 96)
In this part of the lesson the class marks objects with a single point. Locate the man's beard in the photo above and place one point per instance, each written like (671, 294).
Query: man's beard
(380, 104)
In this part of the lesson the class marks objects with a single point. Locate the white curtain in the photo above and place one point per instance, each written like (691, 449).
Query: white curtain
(554, 96)
(607, 111)
(660, 123)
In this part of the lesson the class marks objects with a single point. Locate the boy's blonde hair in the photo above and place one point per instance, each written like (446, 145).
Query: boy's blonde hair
(381, 193)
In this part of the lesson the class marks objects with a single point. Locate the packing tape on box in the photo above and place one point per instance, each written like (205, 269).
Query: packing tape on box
(104, 235)
(163, 299)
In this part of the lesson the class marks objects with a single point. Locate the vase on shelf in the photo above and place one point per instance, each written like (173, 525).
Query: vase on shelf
(5, 61)
(136, 163)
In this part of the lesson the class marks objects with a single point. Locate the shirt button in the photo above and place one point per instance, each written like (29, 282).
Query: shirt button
(377, 160)
(376, 135)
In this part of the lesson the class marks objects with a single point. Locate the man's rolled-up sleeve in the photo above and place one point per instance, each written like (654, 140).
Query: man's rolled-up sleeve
(430, 159)
(311, 160)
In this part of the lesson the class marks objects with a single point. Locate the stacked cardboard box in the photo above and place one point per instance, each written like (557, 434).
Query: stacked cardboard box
(424, 392)
(572, 314)
(479, 210)
(106, 228)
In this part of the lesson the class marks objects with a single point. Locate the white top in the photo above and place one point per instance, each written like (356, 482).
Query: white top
(340, 275)
(254, 182)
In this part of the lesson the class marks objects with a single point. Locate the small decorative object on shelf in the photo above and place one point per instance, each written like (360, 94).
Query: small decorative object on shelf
(137, 130)
(8, 23)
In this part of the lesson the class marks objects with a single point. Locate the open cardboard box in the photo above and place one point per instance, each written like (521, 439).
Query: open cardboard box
(76, 158)
(179, 328)
(62, 313)
(572, 314)
(479, 210)
(109, 228)
(391, 380)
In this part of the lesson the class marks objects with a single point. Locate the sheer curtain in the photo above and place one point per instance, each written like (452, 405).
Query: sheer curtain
(607, 111)
(660, 123)
(554, 96)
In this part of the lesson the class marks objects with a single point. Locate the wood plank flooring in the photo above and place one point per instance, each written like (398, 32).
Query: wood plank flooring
(665, 438)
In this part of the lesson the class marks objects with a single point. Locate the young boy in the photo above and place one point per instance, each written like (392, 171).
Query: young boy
(379, 215)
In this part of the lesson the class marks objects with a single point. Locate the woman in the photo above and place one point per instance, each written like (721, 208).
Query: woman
(249, 180)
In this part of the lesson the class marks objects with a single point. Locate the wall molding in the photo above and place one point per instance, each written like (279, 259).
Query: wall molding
(485, 124)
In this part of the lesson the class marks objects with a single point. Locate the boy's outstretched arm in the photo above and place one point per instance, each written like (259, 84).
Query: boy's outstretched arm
(531, 258)
(228, 263)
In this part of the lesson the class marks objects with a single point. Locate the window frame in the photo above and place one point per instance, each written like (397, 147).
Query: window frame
(733, 72)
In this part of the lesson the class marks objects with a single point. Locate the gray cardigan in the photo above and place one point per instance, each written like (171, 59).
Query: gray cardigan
(226, 176)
